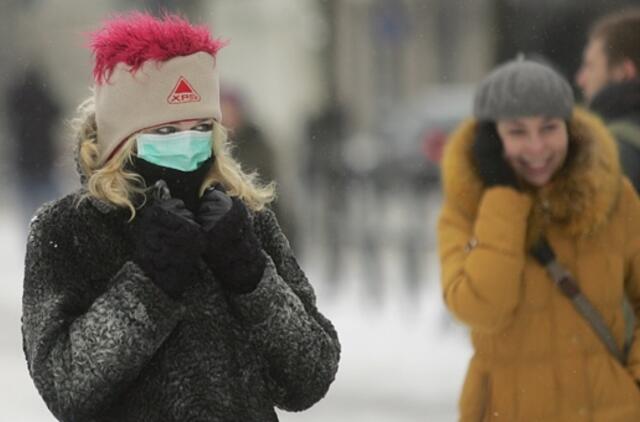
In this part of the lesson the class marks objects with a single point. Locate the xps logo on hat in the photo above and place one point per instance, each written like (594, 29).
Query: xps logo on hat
(182, 93)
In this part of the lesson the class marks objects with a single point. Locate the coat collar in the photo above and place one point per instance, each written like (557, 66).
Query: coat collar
(581, 197)
(618, 100)
(102, 206)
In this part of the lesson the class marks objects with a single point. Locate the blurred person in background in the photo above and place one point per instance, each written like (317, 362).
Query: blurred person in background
(32, 113)
(252, 149)
(250, 145)
(530, 183)
(164, 289)
(610, 81)
(327, 178)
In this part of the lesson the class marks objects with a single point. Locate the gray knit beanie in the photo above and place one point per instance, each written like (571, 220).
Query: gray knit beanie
(522, 88)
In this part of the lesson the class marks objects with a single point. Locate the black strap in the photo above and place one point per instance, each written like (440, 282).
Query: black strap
(543, 252)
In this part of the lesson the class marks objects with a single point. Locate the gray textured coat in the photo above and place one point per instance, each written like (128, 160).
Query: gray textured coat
(103, 343)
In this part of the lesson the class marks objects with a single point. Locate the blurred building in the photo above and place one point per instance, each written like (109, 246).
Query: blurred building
(555, 29)
(388, 51)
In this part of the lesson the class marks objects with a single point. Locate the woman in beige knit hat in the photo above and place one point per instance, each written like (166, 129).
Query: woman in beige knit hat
(164, 288)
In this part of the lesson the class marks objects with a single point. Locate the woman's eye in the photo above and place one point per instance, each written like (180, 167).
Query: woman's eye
(203, 127)
(516, 132)
(549, 128)
(164, 130)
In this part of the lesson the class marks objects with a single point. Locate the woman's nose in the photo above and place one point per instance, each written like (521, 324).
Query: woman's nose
(535, 144)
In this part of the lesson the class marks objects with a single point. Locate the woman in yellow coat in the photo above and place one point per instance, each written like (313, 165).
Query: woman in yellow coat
(531, 165)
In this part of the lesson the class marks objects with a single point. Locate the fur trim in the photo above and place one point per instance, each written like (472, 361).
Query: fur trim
(138, 37)
(581, 197)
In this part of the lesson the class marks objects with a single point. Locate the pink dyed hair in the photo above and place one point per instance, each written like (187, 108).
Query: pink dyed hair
(138, 37)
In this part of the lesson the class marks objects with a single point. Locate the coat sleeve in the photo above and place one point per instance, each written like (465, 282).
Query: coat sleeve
(82, 353)
(632, 270)
(299, 345)
(482, 261)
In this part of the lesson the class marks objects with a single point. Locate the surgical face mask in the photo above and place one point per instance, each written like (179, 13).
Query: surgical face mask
(184, 151)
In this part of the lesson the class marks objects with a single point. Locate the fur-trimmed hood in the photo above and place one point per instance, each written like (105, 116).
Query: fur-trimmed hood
(581, 196)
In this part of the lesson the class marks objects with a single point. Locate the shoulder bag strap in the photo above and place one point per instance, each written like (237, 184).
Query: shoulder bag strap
(569, 287)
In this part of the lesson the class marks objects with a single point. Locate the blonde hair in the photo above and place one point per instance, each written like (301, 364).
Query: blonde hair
(112, 183)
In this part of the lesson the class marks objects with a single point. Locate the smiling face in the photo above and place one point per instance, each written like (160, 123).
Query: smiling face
(535, 147)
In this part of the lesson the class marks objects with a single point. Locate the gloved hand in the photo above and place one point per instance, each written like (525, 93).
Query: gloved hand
(215, 203)
(168, 244)
(488, 154)
(233, 251)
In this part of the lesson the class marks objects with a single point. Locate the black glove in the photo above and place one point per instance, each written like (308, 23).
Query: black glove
(215, 203)
(233, 251)
(488, 155)
(168, 244)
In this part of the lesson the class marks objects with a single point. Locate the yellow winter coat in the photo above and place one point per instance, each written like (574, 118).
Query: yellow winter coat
(536, 358)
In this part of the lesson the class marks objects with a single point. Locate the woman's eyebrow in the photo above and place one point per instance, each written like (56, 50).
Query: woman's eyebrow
(199, 122)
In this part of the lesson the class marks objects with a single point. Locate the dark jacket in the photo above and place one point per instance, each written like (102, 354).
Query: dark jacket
(619, 105)
(103, 343)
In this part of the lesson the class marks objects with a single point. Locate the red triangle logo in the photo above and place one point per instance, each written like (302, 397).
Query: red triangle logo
(182, 87)
(183, 92)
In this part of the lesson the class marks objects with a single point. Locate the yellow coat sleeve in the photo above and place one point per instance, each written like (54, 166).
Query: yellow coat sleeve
(632, 276)
(482, 261)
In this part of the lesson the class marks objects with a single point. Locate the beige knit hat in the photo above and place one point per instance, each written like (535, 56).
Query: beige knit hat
(151, 71)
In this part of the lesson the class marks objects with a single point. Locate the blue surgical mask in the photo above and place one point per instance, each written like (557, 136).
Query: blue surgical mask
(184, 151)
